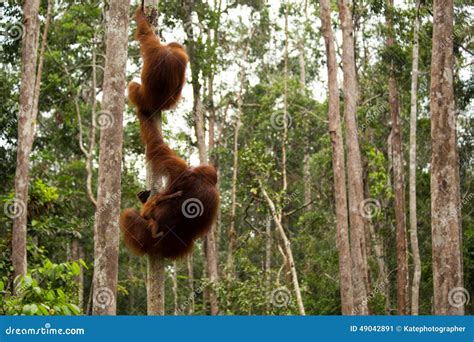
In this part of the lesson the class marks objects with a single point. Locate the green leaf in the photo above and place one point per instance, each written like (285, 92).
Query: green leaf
(34, 309)
(66, 310)
(76, 269)
(26, 309)
(44, 309)
(83, 263)
(74, 308)
(50, 295)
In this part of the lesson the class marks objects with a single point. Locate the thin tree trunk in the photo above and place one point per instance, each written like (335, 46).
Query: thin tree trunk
(356, 197)
(156, 277)
(232, 234)
(198, 111)
(287, 248)
(26, 122)
(307, 155)
(383, 270)
(338, 162)
(106, 226)
(89, 151)
(445, 188)
(268, 256)
(285, 106)
(76, 254)
(189, 261)
(415, 288)
(398, 179)
(174, 279)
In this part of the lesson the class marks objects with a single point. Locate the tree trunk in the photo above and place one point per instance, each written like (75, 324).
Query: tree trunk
(398, 179)
(307, 155)
(356, 194)
(26, 122)
(189, 261)
(156, 277)
(285, 107)
(338, 162)
(106, 227)
(445, 195)
(174, 279)
(287, 249)
(415, 288)
(232, 234)
(198, 111)
(76, 254)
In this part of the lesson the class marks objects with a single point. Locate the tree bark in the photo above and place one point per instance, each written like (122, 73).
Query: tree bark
(356, 197)
(26, 122)
(338, 162)
(445, 188)
(106, 227)
(415, 288)
(398, 179)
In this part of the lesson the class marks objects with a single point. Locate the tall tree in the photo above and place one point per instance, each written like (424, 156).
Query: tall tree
(26, 131)
(199, 125)
(106, 225)
(398, 179)
(156, 275)
(338, 165)
(232, 234)
(355, 184)
(445, 188)
(307, 152)
(415, 288)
